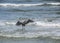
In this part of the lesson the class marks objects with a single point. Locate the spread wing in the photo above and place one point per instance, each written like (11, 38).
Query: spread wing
(18, 23)
(28, 21)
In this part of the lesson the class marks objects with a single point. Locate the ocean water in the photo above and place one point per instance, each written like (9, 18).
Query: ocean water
(44, 13)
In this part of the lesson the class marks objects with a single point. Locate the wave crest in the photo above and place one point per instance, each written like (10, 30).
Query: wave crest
(53, 35)
(38, 4)
(37, 23)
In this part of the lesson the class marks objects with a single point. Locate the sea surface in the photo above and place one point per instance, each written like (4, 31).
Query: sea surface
(44, 13)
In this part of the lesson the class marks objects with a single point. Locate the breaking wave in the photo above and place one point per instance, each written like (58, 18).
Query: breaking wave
(18, 5)
(16, 33)
(44, 34)
(37, 23)
(7, 23)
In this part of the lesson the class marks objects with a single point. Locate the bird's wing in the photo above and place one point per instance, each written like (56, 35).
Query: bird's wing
(25, 22)
(18, 23)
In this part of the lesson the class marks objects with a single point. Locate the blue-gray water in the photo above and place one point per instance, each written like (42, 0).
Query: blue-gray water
(44, 29)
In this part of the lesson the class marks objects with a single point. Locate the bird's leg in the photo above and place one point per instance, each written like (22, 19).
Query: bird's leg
(23, 29)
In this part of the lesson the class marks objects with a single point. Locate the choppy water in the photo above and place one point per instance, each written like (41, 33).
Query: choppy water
(45, 13)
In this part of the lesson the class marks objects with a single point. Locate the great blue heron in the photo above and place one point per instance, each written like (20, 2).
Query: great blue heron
(24, 23)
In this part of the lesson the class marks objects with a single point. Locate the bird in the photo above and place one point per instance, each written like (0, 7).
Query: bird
(24, 23)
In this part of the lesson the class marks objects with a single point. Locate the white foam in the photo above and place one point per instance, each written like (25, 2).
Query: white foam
(37, 23)
(53, 34)
(54, 3)
(7, 23)
(17, 5)
(26, 35)
(10, 23)
(48, 24)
